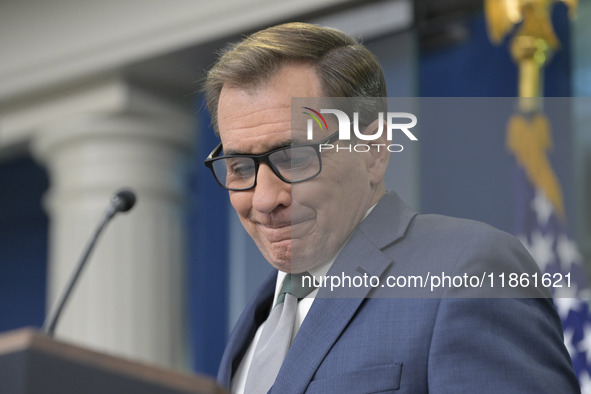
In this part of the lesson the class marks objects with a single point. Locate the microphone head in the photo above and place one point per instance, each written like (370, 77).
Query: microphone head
(123, 200)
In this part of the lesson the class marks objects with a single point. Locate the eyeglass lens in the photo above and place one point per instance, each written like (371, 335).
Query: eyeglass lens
(291, 164)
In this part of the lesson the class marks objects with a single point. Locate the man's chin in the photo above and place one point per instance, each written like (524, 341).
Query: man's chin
(279, 255)
(293, 265)
(297, 264)
(294, 255)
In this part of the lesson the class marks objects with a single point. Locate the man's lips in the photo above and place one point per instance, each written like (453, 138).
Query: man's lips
(276, 234)
(278, 221)
(285, 230)
(275, 226)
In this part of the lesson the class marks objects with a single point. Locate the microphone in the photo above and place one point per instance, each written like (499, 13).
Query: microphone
(122, 201)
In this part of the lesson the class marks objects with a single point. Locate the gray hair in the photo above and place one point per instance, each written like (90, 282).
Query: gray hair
(344, 66)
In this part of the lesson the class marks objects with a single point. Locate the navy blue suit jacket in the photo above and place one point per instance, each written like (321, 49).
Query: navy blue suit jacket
(354, 342)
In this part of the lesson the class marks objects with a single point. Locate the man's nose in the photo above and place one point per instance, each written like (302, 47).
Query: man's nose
(270, 191)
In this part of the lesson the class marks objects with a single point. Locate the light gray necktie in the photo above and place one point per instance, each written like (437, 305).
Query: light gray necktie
(276, 336)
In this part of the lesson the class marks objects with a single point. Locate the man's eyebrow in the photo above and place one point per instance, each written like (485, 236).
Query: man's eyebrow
(232, 152)
(283, 144)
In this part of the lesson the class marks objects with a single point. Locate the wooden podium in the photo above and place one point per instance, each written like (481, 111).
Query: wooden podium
(32, 363)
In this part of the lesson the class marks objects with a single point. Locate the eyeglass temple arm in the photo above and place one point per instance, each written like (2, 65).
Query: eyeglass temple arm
(214, 152)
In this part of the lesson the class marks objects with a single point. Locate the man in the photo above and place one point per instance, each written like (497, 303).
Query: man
(329, 214)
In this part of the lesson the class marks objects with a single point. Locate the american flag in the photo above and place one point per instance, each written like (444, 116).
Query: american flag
(541, 227)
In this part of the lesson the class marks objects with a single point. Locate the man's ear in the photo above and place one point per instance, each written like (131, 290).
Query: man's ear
(378, 155)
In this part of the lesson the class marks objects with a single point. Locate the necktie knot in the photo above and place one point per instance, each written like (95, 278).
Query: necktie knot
(298, 285)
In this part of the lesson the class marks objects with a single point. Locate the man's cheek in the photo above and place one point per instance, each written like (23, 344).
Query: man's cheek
(311, 193)
(240, 203)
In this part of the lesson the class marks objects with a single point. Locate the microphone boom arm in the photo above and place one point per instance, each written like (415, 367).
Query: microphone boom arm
(121, 202)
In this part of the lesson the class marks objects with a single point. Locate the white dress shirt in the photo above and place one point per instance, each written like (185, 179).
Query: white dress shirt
(239, 379)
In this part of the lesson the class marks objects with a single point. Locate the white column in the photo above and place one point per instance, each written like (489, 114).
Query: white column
(130, 298)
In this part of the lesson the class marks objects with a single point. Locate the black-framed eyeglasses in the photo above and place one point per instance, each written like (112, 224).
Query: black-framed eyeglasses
(291, 164)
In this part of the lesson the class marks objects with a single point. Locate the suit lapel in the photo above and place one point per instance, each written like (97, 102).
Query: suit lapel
(331, 311)
(388, 222)
(251, 318)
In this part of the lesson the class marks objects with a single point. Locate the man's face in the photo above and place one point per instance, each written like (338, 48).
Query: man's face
(296, 226)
